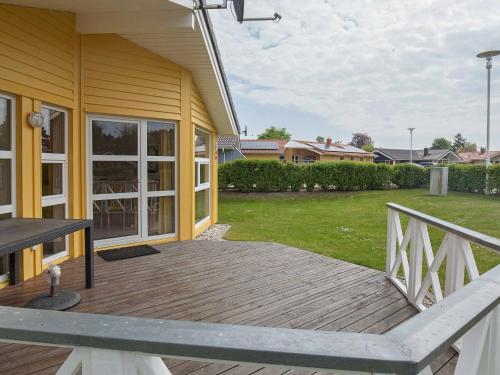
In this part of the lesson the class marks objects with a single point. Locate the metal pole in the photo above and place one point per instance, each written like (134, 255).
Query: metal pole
(488, 160)
(411, 144)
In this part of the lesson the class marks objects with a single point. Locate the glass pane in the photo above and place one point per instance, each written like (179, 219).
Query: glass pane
(201, 144)
(161, 215)
(52, 179)
(161, 175)
(204, 173)
(53, 131)
(161, 140)
(4, 265)
(202, 203)
(114, 138)
(5, 182)
(115, 218)
(112, 177)
(5, 121)
(196, 166)
(58, 245)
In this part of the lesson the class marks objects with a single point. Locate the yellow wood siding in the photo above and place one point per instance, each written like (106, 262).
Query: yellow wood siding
(121, 78)
(37, 54)
(199, 112)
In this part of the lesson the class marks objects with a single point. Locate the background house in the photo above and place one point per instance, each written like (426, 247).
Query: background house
(229, 148)
(480, 157)
(269, 149)
(427, 155)
(307, 152)
(302, 151)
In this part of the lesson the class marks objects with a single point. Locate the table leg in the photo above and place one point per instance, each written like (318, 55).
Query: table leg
(89, 257)
(14, 266)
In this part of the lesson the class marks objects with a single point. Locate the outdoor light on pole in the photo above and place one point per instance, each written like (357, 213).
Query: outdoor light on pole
(411, 144)
(488, 55)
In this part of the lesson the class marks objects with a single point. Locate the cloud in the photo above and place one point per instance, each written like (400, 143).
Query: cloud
(375, 66)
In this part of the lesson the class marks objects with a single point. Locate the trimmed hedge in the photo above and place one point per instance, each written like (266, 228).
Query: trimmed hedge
(471, 178)
(273, 175)
(409, 176)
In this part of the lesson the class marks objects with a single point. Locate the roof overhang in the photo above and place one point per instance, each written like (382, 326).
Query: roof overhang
(169, 28)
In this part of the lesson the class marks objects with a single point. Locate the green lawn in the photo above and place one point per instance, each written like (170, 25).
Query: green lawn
(352, 226)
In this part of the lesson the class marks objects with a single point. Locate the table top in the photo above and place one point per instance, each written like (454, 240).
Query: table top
(21, 233)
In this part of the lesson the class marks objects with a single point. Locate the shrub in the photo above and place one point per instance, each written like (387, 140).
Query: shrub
(495, 179)
(466, 178)
(294, 176)
(272, 175)
(409, 176)
(224, 176)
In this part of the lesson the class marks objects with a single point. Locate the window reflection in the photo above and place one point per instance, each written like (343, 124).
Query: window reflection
(161, 139)
(5, 120)
(53, 131)
(114, 138)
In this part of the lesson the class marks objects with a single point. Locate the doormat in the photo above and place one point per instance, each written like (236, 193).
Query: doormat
(127, 252)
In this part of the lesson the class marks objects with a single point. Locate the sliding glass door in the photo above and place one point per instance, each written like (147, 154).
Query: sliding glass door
(133, 180)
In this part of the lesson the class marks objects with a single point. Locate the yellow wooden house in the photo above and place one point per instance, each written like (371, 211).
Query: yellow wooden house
(110, 110)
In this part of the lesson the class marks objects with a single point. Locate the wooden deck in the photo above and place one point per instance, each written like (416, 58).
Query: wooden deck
(249, 283)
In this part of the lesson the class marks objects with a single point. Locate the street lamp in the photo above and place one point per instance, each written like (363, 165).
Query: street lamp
(411, 144)
(488, 55)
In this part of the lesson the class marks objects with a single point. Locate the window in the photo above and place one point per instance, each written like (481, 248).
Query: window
(7, 169)
(202, 175)
(282, 157)
(341, 158)
(54, 171)
(133, 179)
(295, 158)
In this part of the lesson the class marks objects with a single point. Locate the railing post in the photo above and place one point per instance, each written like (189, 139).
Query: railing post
(391, 242)
(481, 347)
(416, 250)
(104, 362)
(455, 266)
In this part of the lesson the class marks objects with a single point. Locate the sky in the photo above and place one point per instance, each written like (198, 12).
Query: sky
(335, 67)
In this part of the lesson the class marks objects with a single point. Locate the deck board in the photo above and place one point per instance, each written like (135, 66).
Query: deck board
(249, 283)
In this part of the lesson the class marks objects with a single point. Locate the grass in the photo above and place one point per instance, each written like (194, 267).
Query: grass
(352, 226)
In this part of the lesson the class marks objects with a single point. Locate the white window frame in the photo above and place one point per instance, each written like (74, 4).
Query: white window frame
(198, 186)
(55, 200)
(10, 155)
(142, 193)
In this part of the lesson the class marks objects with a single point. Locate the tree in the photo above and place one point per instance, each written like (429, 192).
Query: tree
(368, 147)
(275, 133)
(468, 147)
(441, 144)
(320, 139)
(458, 142)
(361, 139)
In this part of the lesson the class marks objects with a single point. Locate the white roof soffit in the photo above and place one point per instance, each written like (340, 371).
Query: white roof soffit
(169, 28)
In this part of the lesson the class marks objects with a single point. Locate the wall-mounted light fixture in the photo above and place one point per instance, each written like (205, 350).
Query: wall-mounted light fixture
(36, 119)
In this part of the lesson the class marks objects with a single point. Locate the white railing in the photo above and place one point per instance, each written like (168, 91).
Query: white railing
(104, 344)
(406, 270)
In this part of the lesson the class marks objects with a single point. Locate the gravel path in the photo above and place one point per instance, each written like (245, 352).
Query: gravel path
(214, 233)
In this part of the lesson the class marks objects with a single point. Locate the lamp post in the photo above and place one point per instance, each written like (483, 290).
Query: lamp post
(411, 144)
(488, 55)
